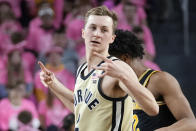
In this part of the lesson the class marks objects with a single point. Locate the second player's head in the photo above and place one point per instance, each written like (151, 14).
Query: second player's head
(126, 44)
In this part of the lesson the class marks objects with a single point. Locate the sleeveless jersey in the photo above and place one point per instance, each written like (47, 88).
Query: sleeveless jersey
(143, 122)
(94, 111)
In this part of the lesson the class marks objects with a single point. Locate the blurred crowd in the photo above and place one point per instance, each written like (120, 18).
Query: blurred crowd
(50, 31)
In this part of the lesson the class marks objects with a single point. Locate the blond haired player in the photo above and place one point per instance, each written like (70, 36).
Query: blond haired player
(105, 86)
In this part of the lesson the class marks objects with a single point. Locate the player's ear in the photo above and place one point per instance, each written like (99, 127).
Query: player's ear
(113, 38)
(124, 57)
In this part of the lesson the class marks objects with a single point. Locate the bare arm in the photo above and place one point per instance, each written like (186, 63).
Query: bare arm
(49, 80)
(185, 124)
(129, 83)
(169, 88)
(67, 103)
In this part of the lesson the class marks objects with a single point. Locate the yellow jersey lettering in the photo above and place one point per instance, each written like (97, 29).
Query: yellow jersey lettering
(135, 122)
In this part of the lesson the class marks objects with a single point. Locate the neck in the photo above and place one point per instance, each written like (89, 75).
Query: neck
(93, 60)
(138, 67)
(15, 102)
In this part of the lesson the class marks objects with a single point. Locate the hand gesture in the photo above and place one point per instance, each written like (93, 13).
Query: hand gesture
(117, 69)
(109, 67)
(46, 76)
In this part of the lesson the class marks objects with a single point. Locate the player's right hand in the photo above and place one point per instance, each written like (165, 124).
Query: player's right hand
(47, 77)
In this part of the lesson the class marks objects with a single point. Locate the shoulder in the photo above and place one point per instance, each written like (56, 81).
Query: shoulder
(163, 77)
(164, 82)
(4, 101)
(80, 68)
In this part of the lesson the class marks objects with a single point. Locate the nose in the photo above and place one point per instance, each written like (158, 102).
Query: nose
(97, 33)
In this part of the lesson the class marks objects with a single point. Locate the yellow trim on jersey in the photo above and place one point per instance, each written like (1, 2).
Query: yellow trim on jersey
(147, 79)
(143, 74)
(137, 107)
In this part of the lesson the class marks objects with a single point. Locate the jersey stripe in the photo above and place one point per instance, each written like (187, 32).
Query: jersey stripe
(79, 69)
(148, 78)
(118, 111)
(145, 76)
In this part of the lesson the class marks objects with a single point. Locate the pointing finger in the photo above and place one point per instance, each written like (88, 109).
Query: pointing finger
(43, 68)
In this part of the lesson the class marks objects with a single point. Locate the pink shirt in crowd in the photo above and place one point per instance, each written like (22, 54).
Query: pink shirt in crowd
(151, 65)
(58, 9)
(53, 115)
(10, 26)
(4, 79)
(74, 32)
(26, 61)
(6, 29)
(8, 111)
(122, 23)
(39, 39)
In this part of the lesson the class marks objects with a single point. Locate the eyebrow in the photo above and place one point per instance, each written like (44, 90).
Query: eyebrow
(101, 26)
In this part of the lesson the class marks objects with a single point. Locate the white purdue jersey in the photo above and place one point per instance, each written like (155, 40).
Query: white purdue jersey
(95, 111)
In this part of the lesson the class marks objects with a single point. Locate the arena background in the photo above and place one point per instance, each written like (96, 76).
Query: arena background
(176, 47)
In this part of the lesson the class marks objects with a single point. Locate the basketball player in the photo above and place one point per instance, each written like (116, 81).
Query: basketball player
(102, 100)
(175, 113)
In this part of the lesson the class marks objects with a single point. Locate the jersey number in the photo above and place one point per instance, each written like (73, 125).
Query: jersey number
(135, 122)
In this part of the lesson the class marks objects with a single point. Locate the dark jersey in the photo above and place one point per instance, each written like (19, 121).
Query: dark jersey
(143, 122)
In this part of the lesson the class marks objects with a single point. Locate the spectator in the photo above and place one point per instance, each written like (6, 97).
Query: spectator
(57, 6)
(129, 15)
(73, 32)
(51, 111)
(14, 104)
(54, 63)
(41, 29)
(70, 56)
(69, 123)
(15, 72)
(149, 49)
(24, 122)
(16, 6)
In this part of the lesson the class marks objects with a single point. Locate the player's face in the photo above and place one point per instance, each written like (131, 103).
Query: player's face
(98, 33)
(18, 93)
(16, 58)
(130, 11)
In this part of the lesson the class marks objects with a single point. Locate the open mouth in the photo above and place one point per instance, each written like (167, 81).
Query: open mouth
(95, 42)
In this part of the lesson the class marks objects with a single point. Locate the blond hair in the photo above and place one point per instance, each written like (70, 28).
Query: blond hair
(103, 11)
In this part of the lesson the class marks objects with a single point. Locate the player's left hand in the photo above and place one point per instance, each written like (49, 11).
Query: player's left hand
(109, 67)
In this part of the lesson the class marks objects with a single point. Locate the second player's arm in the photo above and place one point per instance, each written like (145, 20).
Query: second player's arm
(170, 89)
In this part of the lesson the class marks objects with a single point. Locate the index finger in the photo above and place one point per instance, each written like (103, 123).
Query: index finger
(102, 57)
(43, 68)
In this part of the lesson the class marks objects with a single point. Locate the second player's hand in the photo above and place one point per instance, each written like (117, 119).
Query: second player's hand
(47, 77)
